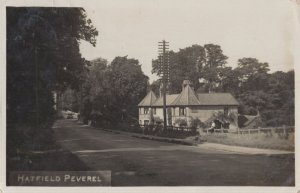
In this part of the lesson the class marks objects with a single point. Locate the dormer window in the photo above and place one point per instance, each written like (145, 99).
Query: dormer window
(146, 110)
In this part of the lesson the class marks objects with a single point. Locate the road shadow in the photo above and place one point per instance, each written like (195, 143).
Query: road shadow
(59, 160)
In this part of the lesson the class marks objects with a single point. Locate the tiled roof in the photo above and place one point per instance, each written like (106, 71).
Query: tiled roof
(169, 100)
(149, 99)
(186, 98)
(217, 99)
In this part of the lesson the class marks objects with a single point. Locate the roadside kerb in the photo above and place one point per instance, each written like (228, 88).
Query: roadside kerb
(151, 137)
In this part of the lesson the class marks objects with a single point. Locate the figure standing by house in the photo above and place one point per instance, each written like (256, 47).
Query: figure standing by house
(212, 127)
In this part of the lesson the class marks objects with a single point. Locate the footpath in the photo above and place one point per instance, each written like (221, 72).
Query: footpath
(243, 150)
(206, 145)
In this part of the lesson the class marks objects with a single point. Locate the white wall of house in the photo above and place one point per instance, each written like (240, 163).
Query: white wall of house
(201, 112)
(176, 115)
(204, 113)
(159, 113)
(143, 116)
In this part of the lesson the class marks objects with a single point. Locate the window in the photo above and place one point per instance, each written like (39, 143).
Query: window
(181, 111)
(154, 111)
(146, 110)
(226, 111)
(146, 122)
(173, 111)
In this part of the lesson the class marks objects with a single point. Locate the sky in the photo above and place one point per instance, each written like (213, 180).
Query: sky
(263, 29)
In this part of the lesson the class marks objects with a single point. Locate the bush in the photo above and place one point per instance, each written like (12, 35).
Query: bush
(158, 121)
(181, 122)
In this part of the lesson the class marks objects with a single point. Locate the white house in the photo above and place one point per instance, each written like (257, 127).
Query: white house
(187, 105)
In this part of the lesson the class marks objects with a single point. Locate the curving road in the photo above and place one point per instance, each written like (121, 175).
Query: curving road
(139, 162)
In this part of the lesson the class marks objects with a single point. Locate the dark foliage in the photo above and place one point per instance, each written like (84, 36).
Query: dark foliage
(257, 90)
(42, 57)
(114, 91)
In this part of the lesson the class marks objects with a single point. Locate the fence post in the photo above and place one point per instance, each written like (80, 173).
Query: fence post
(285, 134)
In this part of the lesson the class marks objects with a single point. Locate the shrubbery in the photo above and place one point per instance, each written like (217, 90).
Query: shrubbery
(181, 122)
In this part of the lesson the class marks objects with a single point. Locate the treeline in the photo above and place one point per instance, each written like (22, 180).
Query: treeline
(42, 57)
(109, 93)
(258, 91)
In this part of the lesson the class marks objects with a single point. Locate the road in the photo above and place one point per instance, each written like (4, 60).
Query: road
(140, 162)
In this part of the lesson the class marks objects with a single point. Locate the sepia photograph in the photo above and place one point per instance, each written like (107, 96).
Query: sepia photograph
(154, 93)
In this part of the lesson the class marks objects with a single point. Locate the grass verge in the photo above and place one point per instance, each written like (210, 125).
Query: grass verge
(253, 140)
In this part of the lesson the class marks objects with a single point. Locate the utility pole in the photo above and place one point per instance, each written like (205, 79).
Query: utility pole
(163, 60)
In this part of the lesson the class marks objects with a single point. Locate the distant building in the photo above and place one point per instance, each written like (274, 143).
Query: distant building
(187, 105)
(249, 121)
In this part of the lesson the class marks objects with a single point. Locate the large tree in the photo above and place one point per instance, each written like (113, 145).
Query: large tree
(182, 66)
(270, 95)
(42, 56)
(112, 91)
(252, 74)
(196, 62)
(210, 66)
(128, 83)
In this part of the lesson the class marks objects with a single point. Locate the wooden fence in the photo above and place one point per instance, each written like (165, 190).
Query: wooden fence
(284, 130)
(267, 130)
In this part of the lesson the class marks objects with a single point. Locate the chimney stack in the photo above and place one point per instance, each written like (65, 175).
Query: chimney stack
(185, 83)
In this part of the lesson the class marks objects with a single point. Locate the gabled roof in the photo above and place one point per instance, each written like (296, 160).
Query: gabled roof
(169, 100)
(148, 100)
(186, 98)
(217, 99)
